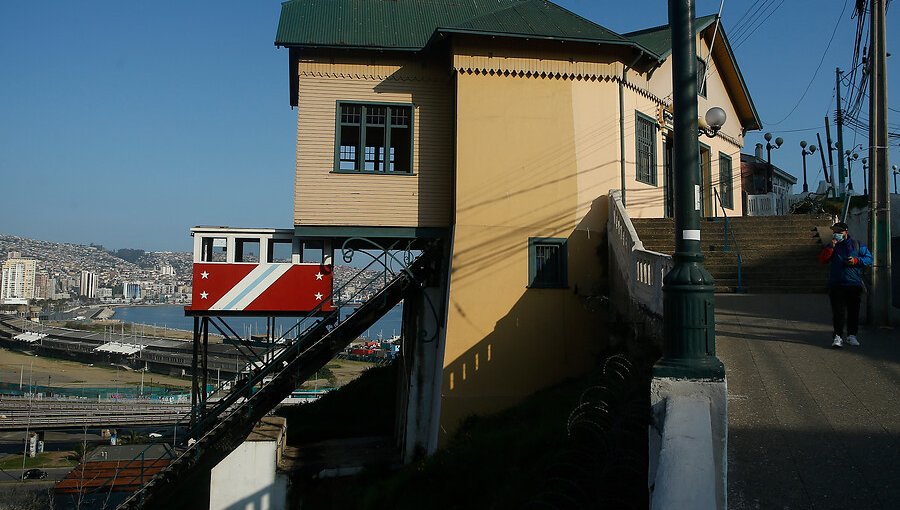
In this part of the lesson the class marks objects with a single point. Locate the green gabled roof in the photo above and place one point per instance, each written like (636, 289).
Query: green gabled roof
(659, 39)
(410, 24)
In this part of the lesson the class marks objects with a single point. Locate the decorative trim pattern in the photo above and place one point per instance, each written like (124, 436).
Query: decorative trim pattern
(374, 71)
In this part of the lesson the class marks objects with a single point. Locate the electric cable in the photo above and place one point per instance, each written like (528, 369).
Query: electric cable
(744, 28)
(821, 60)
(748, 35)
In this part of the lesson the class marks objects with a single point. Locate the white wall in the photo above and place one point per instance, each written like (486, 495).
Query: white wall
(247, 480)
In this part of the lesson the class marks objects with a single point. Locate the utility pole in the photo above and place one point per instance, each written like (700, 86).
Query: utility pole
(879, 302)
(839, 120)
(831, 149)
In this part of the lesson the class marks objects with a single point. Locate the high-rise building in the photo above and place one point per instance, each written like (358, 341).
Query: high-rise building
(167, 270)
(42, 286)
(131, 290)
(88, 286)
(17, 285)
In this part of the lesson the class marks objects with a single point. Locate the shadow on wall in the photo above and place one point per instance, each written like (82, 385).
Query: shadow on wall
(271, 497)
(430, 91)
(546, 336)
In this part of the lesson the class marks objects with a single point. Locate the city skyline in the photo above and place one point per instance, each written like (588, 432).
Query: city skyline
(130, 123)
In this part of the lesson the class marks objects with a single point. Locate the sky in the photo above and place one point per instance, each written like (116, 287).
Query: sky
(126, 123)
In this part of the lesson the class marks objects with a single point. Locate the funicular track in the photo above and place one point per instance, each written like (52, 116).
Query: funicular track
(226, 424)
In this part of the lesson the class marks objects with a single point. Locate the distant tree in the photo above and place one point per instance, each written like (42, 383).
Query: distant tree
(129, 254)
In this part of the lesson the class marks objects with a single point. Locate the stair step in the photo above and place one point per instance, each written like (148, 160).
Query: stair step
(778, 253)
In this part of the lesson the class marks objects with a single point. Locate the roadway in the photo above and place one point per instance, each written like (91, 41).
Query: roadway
(809, 426)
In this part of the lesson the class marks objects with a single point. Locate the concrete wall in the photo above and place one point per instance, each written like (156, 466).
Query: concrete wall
(247, 479)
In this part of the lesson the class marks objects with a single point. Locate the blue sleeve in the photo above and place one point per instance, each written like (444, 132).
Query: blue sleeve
(865, 256)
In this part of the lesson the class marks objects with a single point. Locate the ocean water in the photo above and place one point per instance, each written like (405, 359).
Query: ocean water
(172, 316)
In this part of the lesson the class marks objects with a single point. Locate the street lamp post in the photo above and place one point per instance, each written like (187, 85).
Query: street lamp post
(895, 171)
(770, 177)
(689, 350)
(689, 366)
(850, 157)
(805, 152)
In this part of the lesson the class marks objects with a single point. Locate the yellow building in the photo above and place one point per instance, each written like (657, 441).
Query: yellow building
(498, 127)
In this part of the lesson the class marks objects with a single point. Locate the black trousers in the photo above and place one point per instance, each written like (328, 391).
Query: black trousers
(845, 309)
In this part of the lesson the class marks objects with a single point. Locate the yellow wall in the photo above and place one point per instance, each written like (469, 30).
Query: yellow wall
(533, 156)
(326, 198)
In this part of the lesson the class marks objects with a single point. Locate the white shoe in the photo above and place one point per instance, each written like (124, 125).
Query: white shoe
(837, 343)
(852, 340)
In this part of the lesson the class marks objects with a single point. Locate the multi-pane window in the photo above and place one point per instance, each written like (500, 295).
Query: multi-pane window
(726, 192)
(645, 145)
(547, 262)
(701, 77)
(374, 138)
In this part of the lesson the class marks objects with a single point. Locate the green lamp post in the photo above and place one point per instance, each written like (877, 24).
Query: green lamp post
(689, 348)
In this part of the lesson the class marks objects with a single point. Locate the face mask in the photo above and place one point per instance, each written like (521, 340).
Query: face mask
(838, 236)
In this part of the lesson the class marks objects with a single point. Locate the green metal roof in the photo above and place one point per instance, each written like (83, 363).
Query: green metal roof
(410, 24)
(659, 39)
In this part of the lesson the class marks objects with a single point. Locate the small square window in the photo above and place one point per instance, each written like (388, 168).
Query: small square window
(214, 249)
(547, 262)
(313, 251)
(246, 250)
(280, 251)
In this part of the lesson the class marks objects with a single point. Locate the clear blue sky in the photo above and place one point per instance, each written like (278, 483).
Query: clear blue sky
(126, 123)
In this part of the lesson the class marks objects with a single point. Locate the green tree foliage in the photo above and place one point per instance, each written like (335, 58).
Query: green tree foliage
(128, 254)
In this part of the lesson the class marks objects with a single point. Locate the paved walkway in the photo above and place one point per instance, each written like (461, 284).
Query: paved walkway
(809, 426)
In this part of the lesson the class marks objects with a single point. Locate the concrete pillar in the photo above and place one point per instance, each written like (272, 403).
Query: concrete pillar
(424, 336)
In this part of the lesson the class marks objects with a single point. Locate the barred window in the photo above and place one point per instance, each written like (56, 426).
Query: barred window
(547, 262)
(726, 181)
(374, 138)
(645, 144)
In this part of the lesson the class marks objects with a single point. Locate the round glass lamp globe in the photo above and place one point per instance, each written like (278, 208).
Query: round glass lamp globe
(715, 117)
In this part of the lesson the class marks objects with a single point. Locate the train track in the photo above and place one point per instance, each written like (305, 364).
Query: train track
(18, 414)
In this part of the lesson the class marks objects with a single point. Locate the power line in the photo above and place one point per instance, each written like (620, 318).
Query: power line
(821, 60)
(745, 26)
(746, 37)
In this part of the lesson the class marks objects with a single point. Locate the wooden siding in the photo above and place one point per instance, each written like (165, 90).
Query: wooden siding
(322, 197)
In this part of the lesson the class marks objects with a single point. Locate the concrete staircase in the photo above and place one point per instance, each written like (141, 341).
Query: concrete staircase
(779, 253)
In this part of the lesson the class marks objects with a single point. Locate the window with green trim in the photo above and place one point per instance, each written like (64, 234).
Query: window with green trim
(726, 181)
(701, 77)
(547, 262)
(645, 147)
(374, 138)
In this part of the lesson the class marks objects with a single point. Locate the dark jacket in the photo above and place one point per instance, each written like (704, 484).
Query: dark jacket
(844, 272)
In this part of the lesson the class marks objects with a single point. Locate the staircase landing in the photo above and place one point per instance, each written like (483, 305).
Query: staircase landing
(779, 253)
